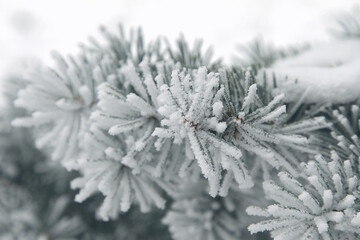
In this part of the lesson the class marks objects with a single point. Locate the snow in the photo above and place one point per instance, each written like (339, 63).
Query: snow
(329, 72)
(326, 55)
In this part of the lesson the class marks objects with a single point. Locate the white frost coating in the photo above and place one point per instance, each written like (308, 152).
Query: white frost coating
(218, 109)
(102, 171)
(308, 201)
(331, 214)
(331, 72)
(250, 98)
(68, 105)
(274, 114)
(60, 102)
(347, 202)
(321, 224)
(86, 95)
(121, 112)
(145, 108)
(149, 82)
(256, 211)
(195, 215)
(356, 220)
(192, 113)
(132, 76)
(290, 182)
(220, 127)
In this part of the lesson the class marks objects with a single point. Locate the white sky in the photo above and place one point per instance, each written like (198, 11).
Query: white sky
(34, 28)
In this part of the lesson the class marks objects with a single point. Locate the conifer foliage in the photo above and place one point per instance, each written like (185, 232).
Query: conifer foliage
(324, 207)
(148, 129)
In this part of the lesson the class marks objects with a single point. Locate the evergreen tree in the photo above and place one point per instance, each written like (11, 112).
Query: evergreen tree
(151, 132)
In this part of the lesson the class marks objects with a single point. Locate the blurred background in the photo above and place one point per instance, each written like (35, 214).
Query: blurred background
(34, 28)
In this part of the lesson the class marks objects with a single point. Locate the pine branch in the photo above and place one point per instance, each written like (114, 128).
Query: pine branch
(261, 123)
(322, 205)
(103, 171)
(196, 215)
